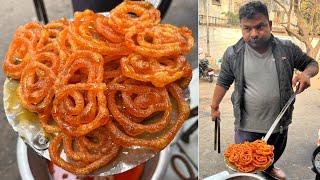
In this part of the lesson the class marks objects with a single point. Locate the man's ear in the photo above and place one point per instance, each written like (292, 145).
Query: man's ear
(270, 24)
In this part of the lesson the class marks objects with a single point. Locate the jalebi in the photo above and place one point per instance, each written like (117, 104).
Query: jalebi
(133, 14)
(159, 72)
(93, 151)
(160, 40)
(156, 143)
(250, 156)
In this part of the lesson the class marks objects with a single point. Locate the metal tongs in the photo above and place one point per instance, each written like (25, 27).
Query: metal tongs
(217, 134)
(283, 110)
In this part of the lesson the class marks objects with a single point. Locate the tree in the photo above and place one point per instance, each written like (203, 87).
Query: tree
(233, 19)
(307, 27)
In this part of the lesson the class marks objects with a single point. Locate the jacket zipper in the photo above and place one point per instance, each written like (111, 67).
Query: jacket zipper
(276, 58)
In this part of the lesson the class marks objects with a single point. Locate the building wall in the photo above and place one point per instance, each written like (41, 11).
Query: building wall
(216, 9)
(222, 37)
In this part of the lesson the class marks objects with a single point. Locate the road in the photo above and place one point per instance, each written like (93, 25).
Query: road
(13, 14)
(296, 160)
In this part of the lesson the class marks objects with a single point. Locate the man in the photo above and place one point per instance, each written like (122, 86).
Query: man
(261, 66)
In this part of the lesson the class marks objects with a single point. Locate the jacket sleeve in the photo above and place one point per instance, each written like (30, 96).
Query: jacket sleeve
(300, 59)
(226, 76)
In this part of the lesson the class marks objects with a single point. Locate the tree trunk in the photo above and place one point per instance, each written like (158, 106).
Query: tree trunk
(313, 52)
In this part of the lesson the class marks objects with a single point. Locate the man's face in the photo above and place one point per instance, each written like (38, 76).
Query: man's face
(256, 31)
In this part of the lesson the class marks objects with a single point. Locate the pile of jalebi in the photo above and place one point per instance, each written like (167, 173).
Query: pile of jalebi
(250, 156)
(101, 83)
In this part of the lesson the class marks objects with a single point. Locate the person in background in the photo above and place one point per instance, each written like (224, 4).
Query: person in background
(262, 69)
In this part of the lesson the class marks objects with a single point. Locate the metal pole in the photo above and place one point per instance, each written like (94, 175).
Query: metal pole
(44, 12)
(208, 33)
(41, 11)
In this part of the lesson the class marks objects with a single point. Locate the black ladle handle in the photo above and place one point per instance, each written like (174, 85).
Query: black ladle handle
(219, 149)
(217, 135)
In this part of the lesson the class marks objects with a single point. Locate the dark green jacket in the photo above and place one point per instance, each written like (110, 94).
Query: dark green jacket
(288, 57)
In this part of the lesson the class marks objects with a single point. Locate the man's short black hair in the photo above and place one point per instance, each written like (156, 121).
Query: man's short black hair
(252, 8)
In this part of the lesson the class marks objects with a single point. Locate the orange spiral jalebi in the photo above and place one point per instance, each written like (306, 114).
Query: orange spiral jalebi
(245, 156)
(36, 87)
(45, 40)
(92, 151)
(160, 40)
(80, 104)
(163, 140)
(104, 28)
(32, 32)
(82, 66)
(55, 27)
(263, 149)
(261, 161)
(133, 14)
(159, 72)
(80, 108)
(64, 45)
(29, 40)
(233, 154)
(247, 168)
(49, 59)
(49, 39)
(84, 36)
(139, 101)
(17, 57)
(250, 156)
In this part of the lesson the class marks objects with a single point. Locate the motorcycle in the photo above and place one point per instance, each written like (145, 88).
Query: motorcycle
(206, 72)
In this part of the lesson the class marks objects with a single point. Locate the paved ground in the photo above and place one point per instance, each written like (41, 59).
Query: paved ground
(301, 142)
(14, 13)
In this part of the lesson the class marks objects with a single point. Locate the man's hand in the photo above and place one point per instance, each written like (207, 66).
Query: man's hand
(218, 94)
(310, 71)
(303, 79)
(215, 113)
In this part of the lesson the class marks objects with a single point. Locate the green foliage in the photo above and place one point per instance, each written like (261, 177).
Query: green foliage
(233, 18)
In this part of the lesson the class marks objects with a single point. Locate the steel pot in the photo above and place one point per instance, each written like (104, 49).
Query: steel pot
(33, 166)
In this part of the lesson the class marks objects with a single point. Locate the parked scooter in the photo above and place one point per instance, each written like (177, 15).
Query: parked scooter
(206, 72)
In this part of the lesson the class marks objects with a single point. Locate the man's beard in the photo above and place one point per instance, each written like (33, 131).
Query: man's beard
(259, 43)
